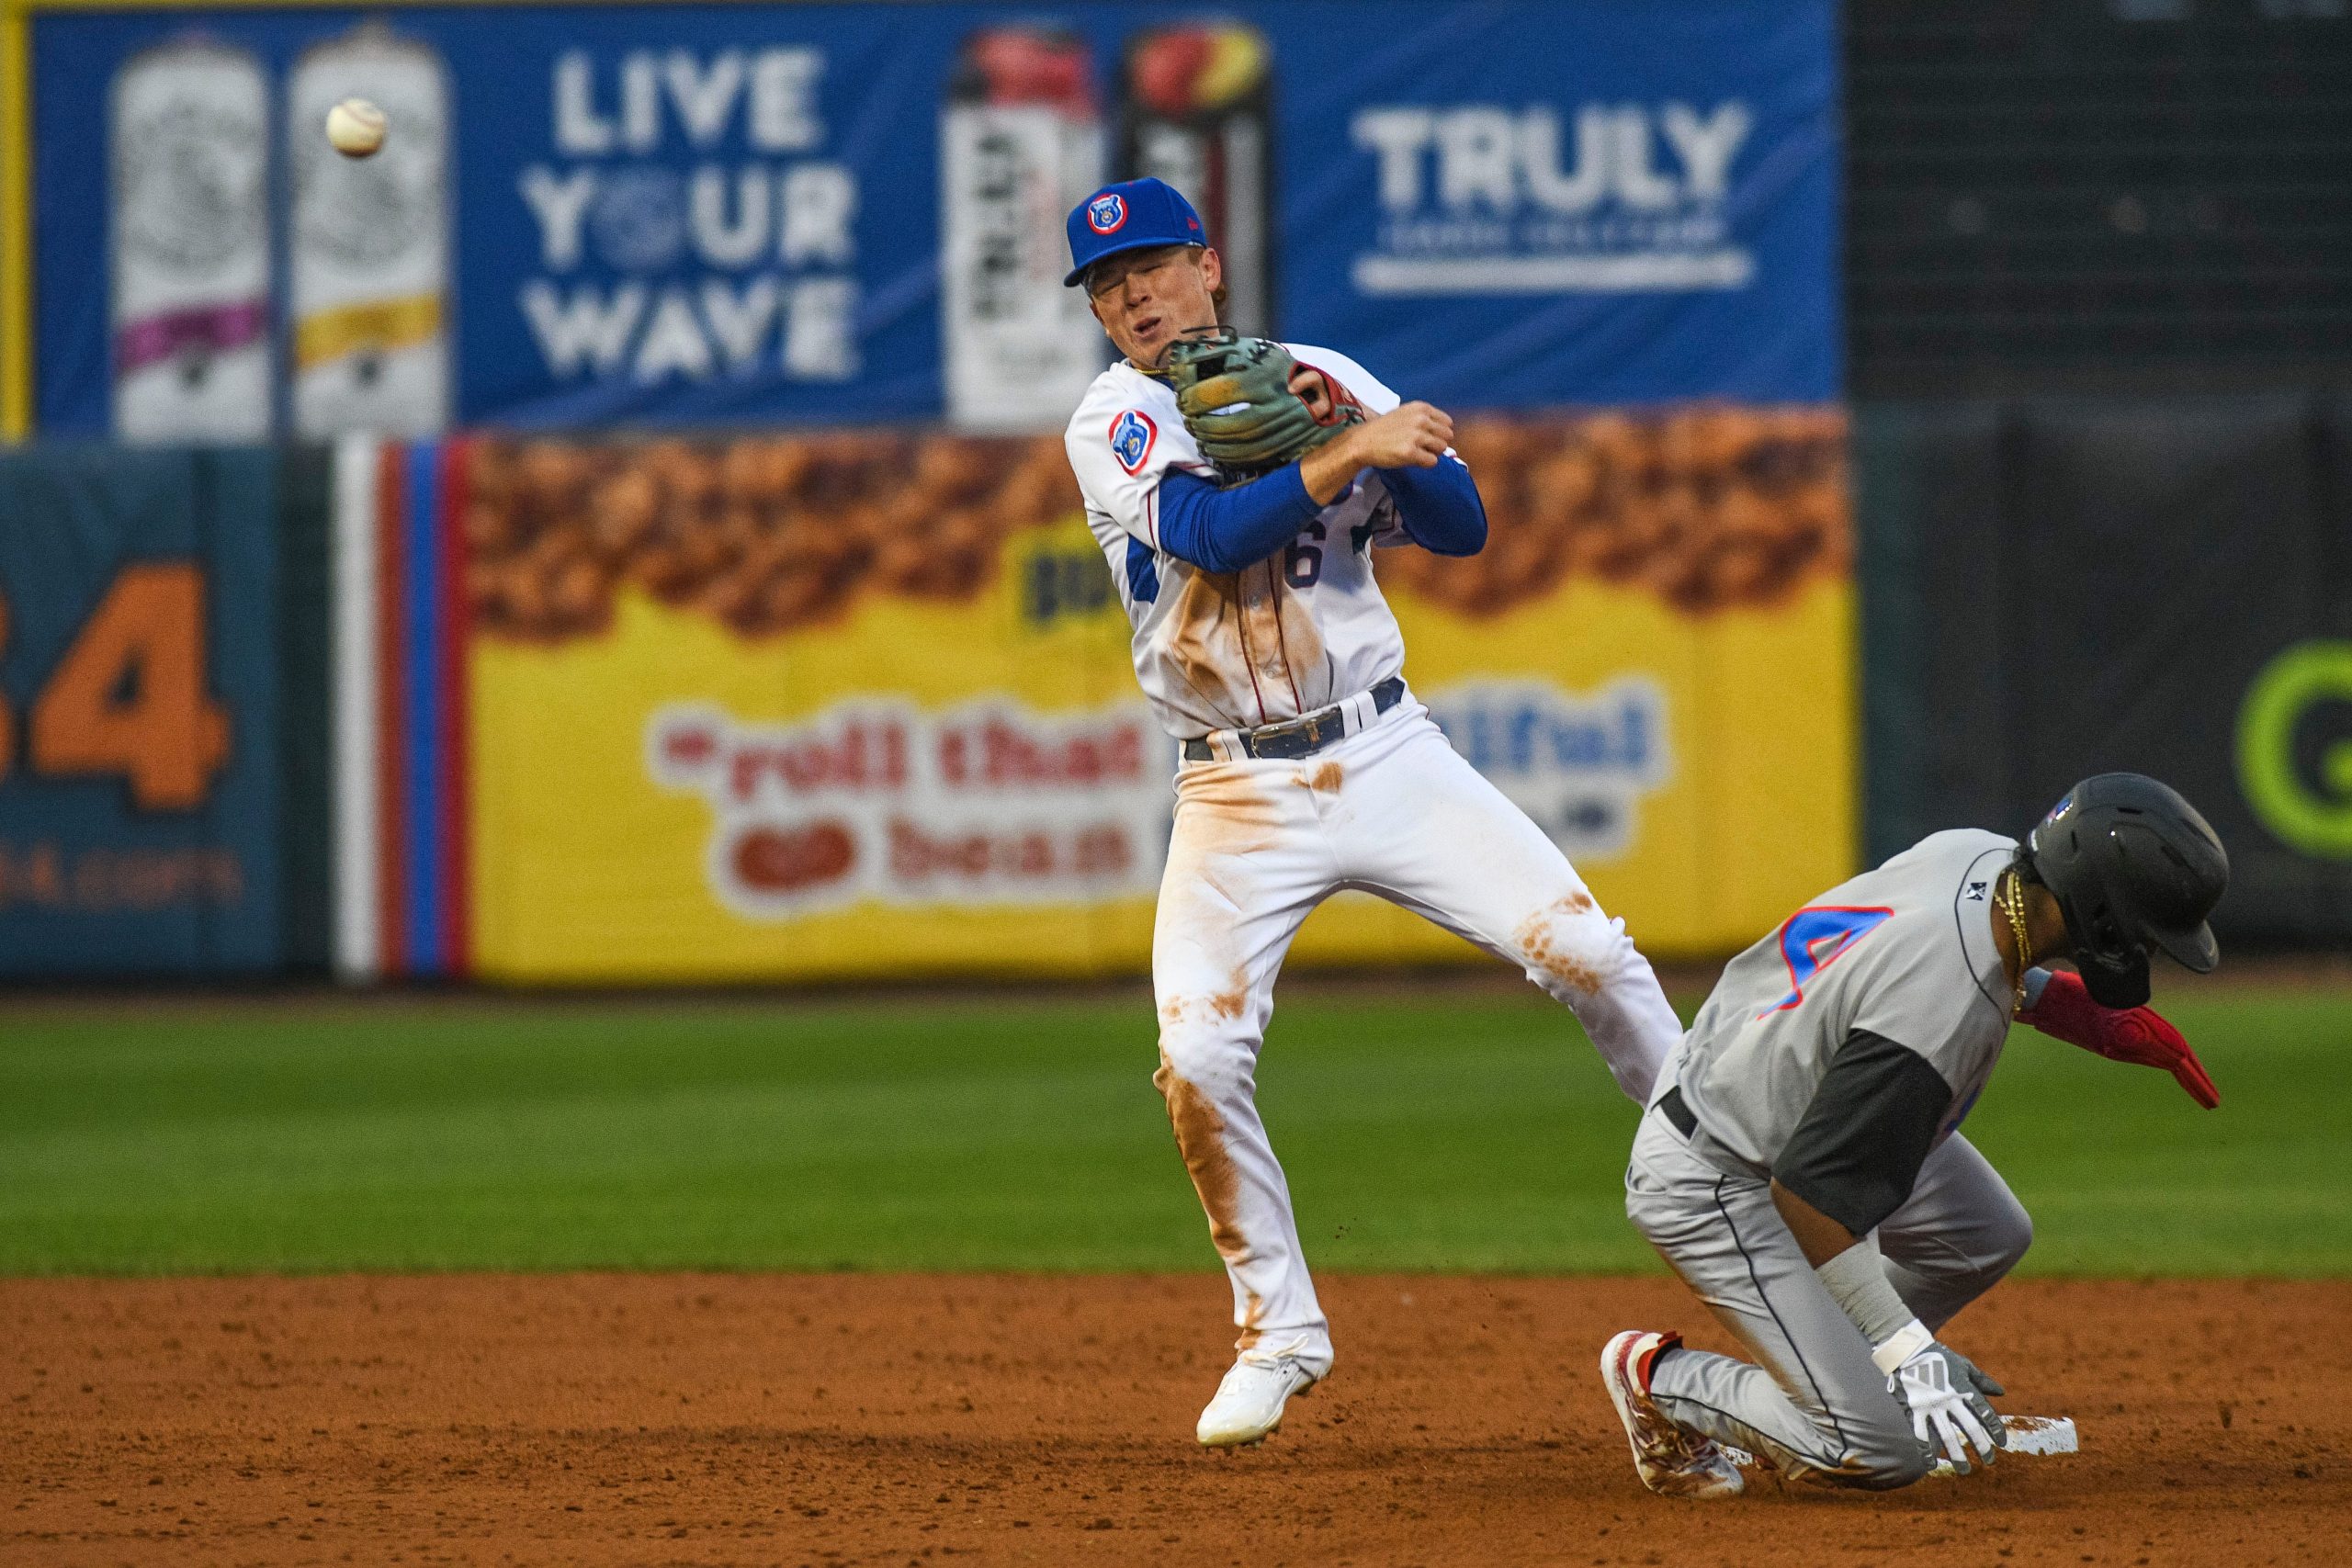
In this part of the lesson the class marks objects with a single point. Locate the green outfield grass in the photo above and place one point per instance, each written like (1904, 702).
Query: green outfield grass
(1471, 1129)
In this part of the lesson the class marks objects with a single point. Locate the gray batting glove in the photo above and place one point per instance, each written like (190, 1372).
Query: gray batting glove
(1945, 1394)
(1978, 1397)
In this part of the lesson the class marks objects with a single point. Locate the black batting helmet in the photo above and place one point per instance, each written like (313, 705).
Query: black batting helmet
(2132, 866)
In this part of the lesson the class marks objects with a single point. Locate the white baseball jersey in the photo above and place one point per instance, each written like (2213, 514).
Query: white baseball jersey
(1233, 651)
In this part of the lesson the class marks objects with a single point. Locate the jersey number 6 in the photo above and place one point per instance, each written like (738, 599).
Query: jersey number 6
(1302, 562)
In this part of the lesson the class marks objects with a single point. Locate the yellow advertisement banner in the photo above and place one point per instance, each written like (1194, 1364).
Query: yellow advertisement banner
(860, 706)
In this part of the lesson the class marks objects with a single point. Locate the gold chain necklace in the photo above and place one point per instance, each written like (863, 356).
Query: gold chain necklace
(2009, 892)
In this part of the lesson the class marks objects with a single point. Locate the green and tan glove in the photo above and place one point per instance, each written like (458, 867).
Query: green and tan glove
(1235, 394)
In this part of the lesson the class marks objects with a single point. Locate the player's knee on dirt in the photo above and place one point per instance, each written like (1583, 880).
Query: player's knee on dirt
(1859, 1450)
(1881, 1452)
(1890, 1472)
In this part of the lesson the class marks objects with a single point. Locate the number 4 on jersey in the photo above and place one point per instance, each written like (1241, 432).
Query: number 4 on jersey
(1812, 939)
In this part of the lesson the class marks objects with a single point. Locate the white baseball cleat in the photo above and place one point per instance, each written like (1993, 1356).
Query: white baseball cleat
(1673, 1462)
(1248, 1403)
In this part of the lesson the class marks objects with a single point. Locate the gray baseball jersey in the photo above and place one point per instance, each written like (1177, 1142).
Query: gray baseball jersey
(1901, 957)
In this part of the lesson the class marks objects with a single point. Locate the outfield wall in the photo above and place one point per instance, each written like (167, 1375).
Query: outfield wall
(842, 751)
(705, 595)
(2056, 587)
(519, 773)
(164, 796)
(769, 708)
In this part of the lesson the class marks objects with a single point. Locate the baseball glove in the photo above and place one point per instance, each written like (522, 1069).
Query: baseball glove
(1235, 395)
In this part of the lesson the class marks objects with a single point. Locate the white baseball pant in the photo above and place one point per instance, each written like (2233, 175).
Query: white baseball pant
(1392, 810)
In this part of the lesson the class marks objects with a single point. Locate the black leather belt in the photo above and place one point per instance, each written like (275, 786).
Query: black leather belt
(1299, 737)
(1676, 1112)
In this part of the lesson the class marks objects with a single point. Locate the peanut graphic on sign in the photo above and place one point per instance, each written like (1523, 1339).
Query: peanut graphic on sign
(1708, 507)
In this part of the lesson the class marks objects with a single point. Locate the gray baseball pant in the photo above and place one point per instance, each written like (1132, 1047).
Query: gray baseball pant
(1815, 1402)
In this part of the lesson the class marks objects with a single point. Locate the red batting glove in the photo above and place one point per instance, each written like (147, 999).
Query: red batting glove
(2130, 1034)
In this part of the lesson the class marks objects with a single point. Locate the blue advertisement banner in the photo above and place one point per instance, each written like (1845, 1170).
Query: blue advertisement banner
(139, 725)
(850, 214)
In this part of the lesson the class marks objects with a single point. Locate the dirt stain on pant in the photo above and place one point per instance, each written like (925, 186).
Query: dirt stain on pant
(1224, 1008)
(1537, 939)
(1221, 811)
(1200, 1137)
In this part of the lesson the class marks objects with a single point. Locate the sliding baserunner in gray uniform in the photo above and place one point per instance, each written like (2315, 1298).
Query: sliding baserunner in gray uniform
(1799, 1164)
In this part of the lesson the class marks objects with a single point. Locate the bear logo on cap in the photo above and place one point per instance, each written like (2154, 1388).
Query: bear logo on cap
(1106, 214)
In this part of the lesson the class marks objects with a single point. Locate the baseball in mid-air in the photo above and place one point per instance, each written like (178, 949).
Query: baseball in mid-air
(356, 127)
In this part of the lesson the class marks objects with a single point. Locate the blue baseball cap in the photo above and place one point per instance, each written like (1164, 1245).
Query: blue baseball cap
(1134, 215)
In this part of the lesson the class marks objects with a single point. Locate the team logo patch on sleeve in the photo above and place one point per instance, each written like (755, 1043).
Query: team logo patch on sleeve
(1132, 435)
(1107, 214)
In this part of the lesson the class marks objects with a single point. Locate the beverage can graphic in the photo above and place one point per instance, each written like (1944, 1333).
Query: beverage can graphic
(1196, 110)
(1020, 142)
(190, 256)
(369, 274)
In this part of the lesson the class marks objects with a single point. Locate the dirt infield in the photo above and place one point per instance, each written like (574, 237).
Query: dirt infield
(897, 1420)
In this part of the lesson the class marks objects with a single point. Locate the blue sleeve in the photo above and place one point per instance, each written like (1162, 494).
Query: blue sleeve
(1439, 507)
(1226, 530)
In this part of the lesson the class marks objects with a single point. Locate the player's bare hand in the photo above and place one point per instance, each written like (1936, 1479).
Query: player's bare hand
(1316, 391)
(1413, 436)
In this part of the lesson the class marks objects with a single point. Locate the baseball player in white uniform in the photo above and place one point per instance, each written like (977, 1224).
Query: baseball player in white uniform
(1801, 1164)
(1265, 646)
